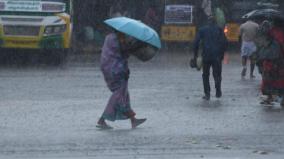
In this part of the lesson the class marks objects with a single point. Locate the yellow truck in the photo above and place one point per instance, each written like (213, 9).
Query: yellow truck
(42, 25)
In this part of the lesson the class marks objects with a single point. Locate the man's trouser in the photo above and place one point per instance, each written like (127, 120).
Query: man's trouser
(217, 74)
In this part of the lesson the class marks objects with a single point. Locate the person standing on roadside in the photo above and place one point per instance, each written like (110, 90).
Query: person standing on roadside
(248, 31)
(214, 44)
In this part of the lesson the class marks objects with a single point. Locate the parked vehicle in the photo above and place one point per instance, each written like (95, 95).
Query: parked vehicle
(43, 25)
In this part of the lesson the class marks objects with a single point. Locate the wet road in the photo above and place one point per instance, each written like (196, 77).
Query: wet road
(52, 112)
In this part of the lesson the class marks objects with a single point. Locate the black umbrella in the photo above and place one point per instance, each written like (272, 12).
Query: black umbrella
(269, 14)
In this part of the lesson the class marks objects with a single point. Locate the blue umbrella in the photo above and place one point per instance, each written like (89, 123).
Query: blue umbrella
(136, 29)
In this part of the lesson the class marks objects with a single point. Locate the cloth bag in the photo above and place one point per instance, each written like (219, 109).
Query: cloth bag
(145, 53)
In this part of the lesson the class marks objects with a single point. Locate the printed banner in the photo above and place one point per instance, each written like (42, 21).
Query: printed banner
(178, 14)
(23, 6)
(31, 6)
(178, 33)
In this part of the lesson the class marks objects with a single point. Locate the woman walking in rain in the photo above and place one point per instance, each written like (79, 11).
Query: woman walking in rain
(271, 58)
(114, 66)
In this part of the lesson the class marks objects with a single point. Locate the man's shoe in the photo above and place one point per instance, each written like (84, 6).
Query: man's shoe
(206, 97)
(218, 94)
(244, 71)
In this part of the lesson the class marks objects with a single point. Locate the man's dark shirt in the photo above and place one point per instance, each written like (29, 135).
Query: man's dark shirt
(213, 41)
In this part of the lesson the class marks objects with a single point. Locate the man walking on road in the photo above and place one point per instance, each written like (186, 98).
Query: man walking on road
(248, 32)
(214, 43)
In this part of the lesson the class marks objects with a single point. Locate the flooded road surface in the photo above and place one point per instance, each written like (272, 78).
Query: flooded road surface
(49, 112)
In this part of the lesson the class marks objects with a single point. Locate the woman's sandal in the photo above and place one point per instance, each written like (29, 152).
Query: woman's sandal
(103, 126)
(266, 102)
(137, 122)
(282, 104)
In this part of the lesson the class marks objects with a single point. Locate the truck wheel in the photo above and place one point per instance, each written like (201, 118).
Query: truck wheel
(59, 57)
(55, 57)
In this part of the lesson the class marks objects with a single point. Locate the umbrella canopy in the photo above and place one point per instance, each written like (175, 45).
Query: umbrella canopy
(135, 29)
(265, 14)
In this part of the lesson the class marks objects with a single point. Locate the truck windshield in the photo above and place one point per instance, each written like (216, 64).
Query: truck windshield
(33, 6)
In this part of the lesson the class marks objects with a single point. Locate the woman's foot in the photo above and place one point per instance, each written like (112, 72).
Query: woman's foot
(135, 122)
(282, 102)
(268, 101)
(103, 125)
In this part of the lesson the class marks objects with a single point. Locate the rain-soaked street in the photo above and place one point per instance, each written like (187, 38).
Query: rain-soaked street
(49, 112)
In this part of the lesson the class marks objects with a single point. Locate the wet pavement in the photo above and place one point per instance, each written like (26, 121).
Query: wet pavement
(49, 112)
